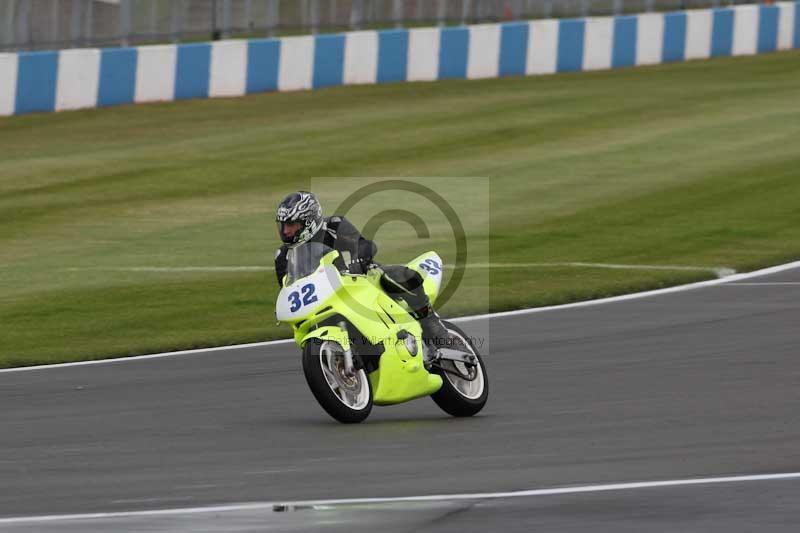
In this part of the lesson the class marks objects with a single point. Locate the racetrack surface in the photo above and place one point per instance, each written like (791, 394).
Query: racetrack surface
(700, 383)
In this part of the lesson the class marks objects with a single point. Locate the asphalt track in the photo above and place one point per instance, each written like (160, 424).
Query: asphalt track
(699, 383)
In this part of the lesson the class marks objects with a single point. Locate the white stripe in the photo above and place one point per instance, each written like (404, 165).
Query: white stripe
(638, 295)
(270, 506)
(766, 283)
(155, 73)
(423, 54)
(786, 25)
(484, 51)
(542, 47)
(745, 30)
(8, 83)
(78, 79)
(597, 43)
(649, 38)
(198, 351)
(533, 310)
(361, 57)
(228, 76)
(175, 269)
(581, 489)
(296, 69)
(698, 33)
(720, 271)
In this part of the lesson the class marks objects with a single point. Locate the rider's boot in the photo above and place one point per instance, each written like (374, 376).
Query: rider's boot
(434, 334)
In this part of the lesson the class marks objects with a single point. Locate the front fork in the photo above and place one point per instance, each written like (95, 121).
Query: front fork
(349, 368)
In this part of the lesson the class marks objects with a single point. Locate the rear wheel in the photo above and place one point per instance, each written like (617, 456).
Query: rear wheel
(465, 387)
(347, 398)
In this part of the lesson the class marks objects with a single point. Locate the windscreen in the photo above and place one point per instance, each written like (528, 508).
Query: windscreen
(304, 259)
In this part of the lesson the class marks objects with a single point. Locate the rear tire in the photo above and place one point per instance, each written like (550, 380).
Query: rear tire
(461, 397)
(347, 399)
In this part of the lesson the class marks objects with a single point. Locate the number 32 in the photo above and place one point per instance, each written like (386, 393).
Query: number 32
(431, 266)
(307, 298)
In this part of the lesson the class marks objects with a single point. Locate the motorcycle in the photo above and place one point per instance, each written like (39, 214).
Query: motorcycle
(363, 348)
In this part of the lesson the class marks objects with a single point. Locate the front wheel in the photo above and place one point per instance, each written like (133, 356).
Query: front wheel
(465, 388)
(346, 398)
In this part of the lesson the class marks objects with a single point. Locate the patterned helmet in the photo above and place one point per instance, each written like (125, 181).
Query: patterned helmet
(299, 207)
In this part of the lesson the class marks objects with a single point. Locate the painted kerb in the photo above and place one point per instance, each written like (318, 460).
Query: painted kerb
(76, 79)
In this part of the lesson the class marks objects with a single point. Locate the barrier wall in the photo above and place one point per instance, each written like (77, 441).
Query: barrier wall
(74, 79)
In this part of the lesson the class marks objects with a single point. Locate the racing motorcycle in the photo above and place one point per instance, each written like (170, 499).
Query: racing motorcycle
(363, 348)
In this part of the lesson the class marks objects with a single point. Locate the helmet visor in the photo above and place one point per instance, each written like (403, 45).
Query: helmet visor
(290, 231)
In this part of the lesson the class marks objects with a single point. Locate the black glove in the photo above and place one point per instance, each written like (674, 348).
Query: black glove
(360, 266)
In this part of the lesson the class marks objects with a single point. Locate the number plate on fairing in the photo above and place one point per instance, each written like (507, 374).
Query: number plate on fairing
(431, 267)
(306, 295)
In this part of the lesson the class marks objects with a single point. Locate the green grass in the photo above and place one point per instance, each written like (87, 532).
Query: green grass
(691, 164)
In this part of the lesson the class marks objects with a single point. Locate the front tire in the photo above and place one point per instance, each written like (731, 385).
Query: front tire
(460, 396)
(348, 399)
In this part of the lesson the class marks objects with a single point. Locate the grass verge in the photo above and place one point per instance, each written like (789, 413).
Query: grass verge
(691, 164)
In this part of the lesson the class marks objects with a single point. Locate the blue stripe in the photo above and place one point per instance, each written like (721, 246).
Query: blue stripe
(768, 28)
(624, 51)
(192, 71)
(513, 48)
(796, 42)
(392, 55)
(570, 46)
(453, 53)
(263, 60)
(328, 60)
(674, 48)
(117, 76)
(722, 33)
(37, 76)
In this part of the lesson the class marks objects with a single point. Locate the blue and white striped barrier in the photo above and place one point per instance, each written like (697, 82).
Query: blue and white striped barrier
(74, 79)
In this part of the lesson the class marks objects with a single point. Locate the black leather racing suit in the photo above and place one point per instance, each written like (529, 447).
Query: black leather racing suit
(357, 254)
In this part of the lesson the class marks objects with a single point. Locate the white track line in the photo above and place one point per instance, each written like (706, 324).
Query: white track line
(150, 356)
(270, 506)
(766, 283)
(637, 295)
(600, 301)
(175, 269)
(719, 271)
(554, 491)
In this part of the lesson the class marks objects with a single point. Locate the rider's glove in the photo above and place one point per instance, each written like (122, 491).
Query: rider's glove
(359, 266)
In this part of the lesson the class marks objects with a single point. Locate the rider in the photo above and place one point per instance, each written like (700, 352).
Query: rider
(300, 220)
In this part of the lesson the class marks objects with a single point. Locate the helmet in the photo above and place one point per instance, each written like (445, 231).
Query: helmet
(301, 208)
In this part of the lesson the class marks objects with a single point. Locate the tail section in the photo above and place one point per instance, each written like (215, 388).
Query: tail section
(430, 266)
